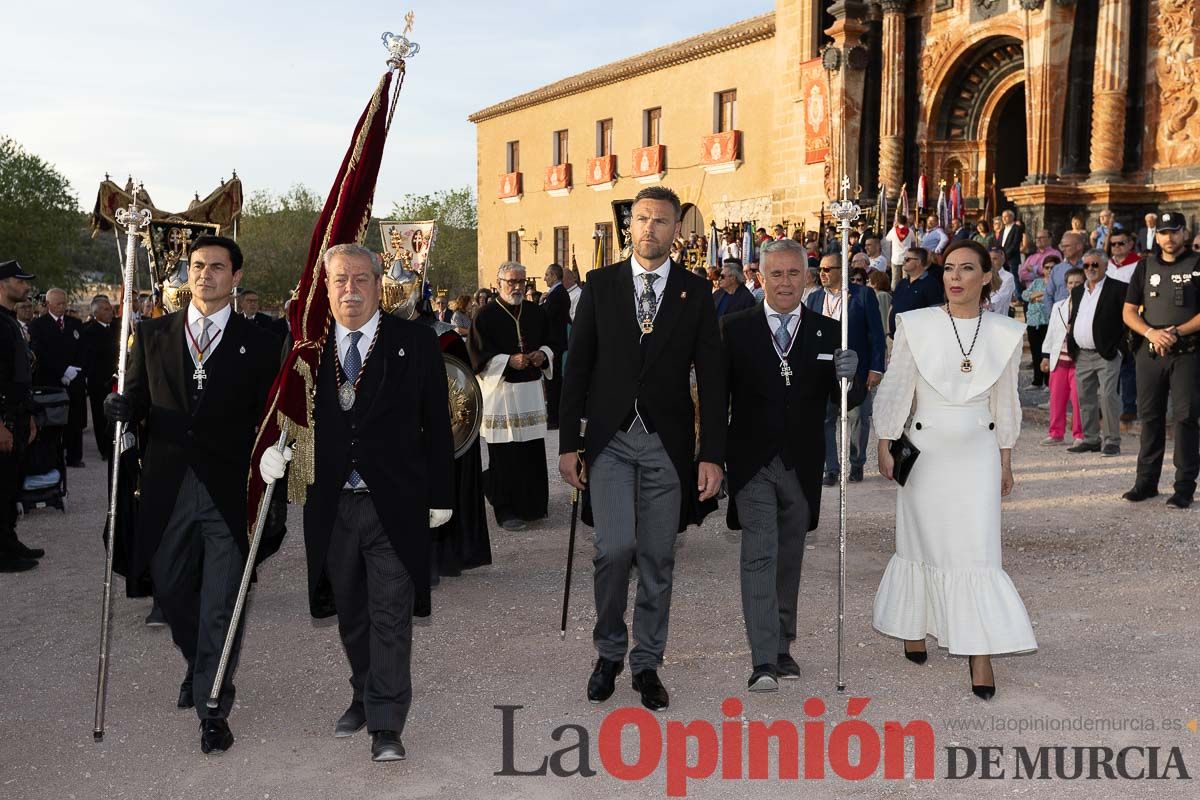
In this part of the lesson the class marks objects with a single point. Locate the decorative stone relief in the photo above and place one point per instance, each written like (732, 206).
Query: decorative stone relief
(1177, 68)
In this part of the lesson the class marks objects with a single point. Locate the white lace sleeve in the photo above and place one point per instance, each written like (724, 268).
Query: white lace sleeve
(894, 397)
(1005, 403)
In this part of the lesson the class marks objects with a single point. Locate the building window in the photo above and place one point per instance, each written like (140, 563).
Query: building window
(514, 246)
(651, 127)
(724, 106)
(605, 229)
(512, 156)
(558, 146)
(604, 137)
(562, 246)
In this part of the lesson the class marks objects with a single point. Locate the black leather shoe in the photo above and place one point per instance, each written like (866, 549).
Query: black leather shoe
(76, 464)
(763, 679)
(830, 479)
(787, 668)
(156, 618)
(1179, 500)
(215, 736)
(983, 692)
(351, 722)
(916, 656)
(386, 746)
(1084, 447)
(1139, 493)
(185, 695)
(14, 564)
(856, 474)
(604, 679)
(654, 694)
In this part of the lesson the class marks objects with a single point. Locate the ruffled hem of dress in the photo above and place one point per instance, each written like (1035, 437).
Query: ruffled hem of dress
(968, 611)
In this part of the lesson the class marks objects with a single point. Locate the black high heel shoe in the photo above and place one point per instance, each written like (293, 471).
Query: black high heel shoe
(915, 656)
(982, 692)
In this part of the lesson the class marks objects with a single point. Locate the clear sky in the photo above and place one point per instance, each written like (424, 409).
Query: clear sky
(180, 96)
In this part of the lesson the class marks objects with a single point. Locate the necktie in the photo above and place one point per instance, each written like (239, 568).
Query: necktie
(783, 338)
(352, 365)
(648, 300)
(205, 338)
(60, 323)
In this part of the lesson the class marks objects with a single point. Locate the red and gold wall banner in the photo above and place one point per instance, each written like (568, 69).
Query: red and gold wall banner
(510, 185)
(814, 88)
(601, 169)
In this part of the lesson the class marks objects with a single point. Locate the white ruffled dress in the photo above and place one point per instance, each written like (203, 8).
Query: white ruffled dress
(946, 578)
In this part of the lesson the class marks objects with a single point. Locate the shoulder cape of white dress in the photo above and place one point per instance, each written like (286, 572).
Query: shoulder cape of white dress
(927, 330)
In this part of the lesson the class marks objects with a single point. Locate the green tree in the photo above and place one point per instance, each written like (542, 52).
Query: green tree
(454, 258)
(274, 234)
(40, 218)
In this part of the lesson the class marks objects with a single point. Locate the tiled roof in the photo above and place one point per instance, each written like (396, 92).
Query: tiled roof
(705, 44)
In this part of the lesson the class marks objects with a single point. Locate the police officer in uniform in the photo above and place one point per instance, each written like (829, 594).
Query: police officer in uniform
(1163, 307)
(16, 408)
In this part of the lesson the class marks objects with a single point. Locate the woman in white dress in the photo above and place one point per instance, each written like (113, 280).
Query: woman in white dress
(952, 387)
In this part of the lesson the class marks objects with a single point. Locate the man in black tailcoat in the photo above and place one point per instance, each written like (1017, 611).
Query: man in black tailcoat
(199, 379)
(783, 363)
(556, 303)
(384, 478)
(641, 326)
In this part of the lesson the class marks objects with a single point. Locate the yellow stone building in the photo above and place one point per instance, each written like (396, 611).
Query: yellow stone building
(1064, 106)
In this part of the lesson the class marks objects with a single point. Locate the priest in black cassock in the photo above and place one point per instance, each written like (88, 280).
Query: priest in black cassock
(512, 350)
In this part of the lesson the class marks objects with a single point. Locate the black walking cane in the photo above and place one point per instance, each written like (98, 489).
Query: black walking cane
(575, 495)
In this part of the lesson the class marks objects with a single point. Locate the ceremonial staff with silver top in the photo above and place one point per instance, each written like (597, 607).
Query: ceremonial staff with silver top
(133, 220)
(199, 379)
(846, 212)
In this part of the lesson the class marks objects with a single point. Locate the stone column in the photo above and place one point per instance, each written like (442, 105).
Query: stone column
(1109, 88)
(848, 83)
(891, 119)
(1048, 29)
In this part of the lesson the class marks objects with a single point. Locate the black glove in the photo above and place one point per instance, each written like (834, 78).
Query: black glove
(117, 408)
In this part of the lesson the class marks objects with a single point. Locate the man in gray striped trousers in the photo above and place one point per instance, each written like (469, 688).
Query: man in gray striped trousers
(783, 364)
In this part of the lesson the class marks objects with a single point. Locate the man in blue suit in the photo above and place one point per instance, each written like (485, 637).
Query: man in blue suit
(867, 340)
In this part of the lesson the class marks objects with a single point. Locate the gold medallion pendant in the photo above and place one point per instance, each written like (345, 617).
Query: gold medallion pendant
(648, 326)
(346, 396)
(966, 365)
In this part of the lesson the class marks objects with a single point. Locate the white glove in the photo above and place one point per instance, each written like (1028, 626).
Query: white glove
(273, 463)
(439, 516)
(69, 375)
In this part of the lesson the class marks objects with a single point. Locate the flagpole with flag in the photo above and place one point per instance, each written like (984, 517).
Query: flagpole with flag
(289, 410)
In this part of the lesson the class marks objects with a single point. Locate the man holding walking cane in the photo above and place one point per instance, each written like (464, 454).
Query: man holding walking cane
(640, 327)
(199, 378)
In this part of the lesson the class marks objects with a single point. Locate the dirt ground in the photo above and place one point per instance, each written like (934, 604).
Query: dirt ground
(1111, 587)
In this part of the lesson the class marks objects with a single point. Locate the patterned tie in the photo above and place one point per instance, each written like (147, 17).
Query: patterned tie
(783, 338)
(60, 323)
(648, 300)
(352, 365)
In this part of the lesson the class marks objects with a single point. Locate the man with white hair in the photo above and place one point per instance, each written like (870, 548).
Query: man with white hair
(512, 349)
(56, 339)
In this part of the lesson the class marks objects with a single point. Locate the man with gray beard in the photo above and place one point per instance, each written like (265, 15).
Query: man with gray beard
(511, 348)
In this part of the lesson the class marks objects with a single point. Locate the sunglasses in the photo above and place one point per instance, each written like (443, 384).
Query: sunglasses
(1121, 243)
(1091, 264)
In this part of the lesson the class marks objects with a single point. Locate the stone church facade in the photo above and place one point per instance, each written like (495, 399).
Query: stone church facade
(1064, 106)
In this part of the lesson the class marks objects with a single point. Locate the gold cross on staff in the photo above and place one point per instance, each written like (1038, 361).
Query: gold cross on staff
(408, 23)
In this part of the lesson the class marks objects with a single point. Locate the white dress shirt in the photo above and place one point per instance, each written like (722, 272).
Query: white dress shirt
(1001, 299)
(832, 305)
(793, 320)
(220, 320)
(1084, 318)
(342, 337)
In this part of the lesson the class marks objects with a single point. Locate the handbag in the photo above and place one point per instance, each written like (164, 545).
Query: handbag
(904, 454)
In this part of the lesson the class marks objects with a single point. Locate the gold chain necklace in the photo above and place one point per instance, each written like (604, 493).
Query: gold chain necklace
(516, 319)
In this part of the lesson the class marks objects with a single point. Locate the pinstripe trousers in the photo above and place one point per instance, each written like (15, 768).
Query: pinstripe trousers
(774, 514)
(374, 597)
(635, 505)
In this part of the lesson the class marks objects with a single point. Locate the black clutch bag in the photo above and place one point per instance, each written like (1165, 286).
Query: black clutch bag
(904, 455)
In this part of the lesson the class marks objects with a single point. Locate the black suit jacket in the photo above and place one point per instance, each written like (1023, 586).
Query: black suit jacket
(1012, 247)
(100, 353)
(611, 369)
(557, 306)
(740, 300)
(1139, 243)
(397, 436)
(213, 435)
(1108, 329)
(769, 418)
(55, 350)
